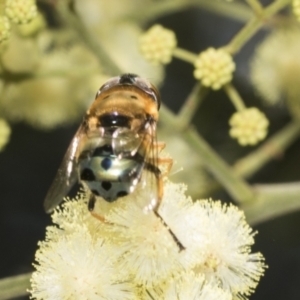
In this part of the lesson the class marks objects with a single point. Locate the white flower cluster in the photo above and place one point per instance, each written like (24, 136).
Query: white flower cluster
(157, 44)
(4, 28)
(214, 67)
(248, 126)
(20, 11)
(133, 255)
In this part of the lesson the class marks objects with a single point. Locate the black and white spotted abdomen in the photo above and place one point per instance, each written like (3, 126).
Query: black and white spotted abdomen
(108, 176)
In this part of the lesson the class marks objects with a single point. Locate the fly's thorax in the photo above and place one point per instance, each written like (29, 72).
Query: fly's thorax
(126, 100)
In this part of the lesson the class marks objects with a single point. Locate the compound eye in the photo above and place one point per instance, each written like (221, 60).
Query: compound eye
(156, 95)
(108, 84)
(148, 88)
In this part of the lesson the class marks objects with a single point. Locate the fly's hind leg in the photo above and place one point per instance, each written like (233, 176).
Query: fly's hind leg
(91, 206)
(175, 238)
(160, 195)
(160, 186)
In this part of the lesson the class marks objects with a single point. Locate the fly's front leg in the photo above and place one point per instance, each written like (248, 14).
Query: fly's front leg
(159, 146)
(160, 183)
(167, 161)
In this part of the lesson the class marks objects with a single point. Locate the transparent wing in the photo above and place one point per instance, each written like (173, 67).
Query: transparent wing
(126, 142)
(141, 144)
(150, 179)
(154, 174)
(66, 175)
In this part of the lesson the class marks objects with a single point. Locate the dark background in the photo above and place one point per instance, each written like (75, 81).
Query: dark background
(30, 160)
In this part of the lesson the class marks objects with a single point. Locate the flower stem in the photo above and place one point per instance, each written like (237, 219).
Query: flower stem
(253, 26)
(185, 55)
(272, 148)
(234, 97)
(256, 6)
(191, 105)
(233, 10)
(272, 200)
(15, 286)
(235, 185)
(158, 9)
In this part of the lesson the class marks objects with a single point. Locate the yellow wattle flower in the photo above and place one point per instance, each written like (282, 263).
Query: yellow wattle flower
(157, 44)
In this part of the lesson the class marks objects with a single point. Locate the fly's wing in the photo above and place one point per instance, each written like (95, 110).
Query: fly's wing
(66, 175)
(126, 142)
(150, 180)
(140, 145)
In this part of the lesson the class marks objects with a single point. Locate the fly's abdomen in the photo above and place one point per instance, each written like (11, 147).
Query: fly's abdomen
(108, 176)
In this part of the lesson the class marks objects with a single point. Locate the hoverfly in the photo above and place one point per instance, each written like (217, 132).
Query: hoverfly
(115, 146)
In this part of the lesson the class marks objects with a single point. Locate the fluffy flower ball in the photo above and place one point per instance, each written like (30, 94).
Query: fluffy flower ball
(189, 285)
(218, 243)
(248, 126)
(134, 255)
(157, 44)
(4, 28)
(149, 252)
(214, 67)
(75, 266)
(20, 11)
(4, 133)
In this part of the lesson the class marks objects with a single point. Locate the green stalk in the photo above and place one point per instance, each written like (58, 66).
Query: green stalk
(254, 25)
(256, 6)
(272, 200)
(233, 10)
(272, 148)
(190, 106)
(235, 185)
(158, 9)
(185, 55)
(15, 286)
(234, 97)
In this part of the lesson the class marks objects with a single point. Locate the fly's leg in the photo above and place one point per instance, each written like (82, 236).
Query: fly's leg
(168, 162)
(91, 203)
(91, 206)
(159, 146)
(176, 240)
(160, 195)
